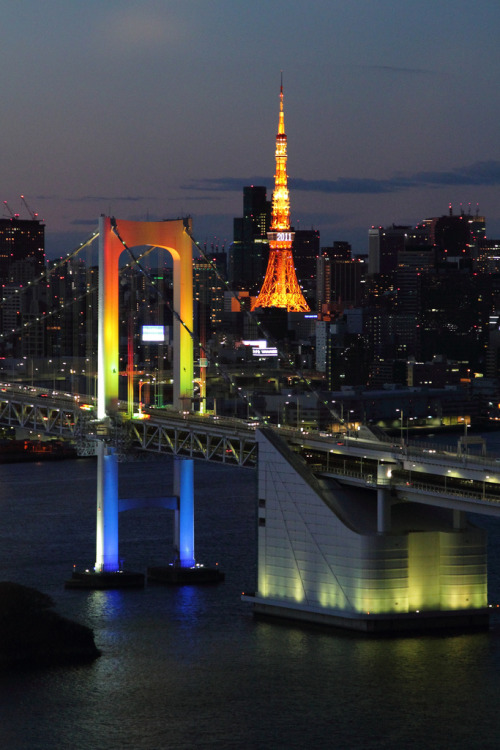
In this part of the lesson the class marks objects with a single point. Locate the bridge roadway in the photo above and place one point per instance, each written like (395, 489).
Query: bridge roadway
(429, 475)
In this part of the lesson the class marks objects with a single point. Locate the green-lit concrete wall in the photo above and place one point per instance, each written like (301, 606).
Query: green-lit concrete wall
(309, 558)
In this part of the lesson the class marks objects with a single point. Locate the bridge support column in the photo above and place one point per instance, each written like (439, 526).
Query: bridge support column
(184, 488)
(383, 510)
(184, 570)
(459, 519)
(107, 510)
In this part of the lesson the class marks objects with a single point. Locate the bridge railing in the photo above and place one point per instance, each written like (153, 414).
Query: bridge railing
(439, 490)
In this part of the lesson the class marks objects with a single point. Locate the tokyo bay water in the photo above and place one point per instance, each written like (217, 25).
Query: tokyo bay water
(190, 667)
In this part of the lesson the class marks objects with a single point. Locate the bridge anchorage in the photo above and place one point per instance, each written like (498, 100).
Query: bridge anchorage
(115, 237)
(372, 536)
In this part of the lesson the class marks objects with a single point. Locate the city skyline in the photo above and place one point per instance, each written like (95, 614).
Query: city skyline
(169, 109)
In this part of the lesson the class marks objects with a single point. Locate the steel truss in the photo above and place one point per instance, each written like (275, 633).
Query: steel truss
(196, 441)
(67, 421)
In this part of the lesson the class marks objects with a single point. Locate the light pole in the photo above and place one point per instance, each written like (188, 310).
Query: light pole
(402, 434)
(141, 383)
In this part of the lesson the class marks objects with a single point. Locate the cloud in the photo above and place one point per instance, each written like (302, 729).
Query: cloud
(346, 185)
(83, 222)
(98, 198)
(222, 184)
(124, 31)
(486, 173)
(204, 198)
(480, 173)
(397, 69)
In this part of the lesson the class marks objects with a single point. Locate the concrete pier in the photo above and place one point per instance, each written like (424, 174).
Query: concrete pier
(349, 557)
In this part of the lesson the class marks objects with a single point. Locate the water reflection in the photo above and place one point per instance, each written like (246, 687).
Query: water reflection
(107, 604)
(189, 667)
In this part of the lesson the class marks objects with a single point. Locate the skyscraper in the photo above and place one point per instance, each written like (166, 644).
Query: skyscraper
(384, 243)
(306, 249)
(250, 249)
(208, 292)
(22, 260)
(280, 287)
(22, 253)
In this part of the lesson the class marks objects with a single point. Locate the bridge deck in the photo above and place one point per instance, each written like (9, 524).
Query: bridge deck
(424, 475)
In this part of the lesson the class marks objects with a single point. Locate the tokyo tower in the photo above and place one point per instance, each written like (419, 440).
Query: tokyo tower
(280, 287)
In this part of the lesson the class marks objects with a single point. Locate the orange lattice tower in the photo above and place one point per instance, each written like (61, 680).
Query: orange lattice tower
(280, 287)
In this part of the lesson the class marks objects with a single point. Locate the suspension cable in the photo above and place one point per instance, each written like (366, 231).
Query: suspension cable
(203, 347)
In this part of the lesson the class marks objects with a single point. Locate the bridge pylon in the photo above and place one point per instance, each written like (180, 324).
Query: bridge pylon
(115, 237)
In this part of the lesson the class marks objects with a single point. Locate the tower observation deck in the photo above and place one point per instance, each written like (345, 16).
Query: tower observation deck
(280, 287)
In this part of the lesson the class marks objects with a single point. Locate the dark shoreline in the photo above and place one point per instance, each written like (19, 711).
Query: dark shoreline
(33, 634)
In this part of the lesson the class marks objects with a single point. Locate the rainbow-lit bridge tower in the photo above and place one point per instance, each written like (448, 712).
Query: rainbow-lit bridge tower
(280, 287)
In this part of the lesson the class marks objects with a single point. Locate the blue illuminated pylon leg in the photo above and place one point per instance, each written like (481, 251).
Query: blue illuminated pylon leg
(185, 570)
(107, 510)
(184, 488)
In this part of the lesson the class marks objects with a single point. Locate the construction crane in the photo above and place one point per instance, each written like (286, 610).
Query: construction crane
(11, 212)
(34, 216)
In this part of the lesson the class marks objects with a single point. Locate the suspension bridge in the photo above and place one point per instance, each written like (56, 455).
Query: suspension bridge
(360, 532)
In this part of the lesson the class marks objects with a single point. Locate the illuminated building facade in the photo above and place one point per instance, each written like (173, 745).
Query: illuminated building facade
(280, 287)
(21, 240)
(208, 292)
(22, 259)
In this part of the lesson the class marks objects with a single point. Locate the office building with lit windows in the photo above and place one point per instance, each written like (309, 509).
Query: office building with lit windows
(22, 250)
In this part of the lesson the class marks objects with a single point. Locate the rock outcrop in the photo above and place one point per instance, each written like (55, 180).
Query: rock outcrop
(31, 632)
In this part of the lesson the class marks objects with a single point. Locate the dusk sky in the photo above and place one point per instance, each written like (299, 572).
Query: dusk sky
(161, 108)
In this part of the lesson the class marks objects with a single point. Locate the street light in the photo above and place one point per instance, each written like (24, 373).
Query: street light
(402, 435)
(141, 383)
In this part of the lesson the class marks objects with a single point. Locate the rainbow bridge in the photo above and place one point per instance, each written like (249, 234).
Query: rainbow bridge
(360, 532)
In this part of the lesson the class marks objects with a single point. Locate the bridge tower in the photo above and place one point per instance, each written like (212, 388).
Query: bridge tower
(115, 237)
(280, 287)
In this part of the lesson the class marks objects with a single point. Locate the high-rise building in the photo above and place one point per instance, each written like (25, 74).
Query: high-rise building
(22, 260)
(250, 249)
(21, 240)
(208, 292)
(488, 258)
(456, 237)
(384, 243)
(339, 282)
(339, 277)
(281, 288)
(305, 254)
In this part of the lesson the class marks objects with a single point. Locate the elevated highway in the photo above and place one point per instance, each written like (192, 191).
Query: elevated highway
(427, 475)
